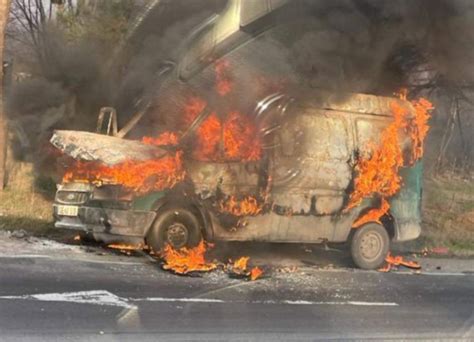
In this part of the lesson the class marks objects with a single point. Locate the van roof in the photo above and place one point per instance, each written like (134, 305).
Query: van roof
(358, 103)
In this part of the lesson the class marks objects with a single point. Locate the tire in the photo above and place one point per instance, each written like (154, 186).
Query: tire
(369, 246)
(177, 227)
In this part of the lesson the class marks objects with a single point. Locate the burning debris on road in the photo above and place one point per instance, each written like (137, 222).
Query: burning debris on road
(187, 260)
(396, 261)
(192, 261)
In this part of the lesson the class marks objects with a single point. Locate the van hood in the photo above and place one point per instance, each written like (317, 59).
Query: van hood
(106, 149)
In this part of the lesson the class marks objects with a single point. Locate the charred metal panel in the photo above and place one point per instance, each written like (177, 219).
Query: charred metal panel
(310, 162)
(106, 149)
(406, 204)
(148, 201)
(368, 132)
(111, 193)
(231, 178)
(110, 221)
(364, 104)
(296, 228)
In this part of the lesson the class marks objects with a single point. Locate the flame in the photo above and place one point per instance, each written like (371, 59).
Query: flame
(139, 176)
(235, 133)
(392, 261)
(185, 260)
(240, 267)
(240, 141)
(373, 215)
(248, 206)
(241, 263)
(125, 246)
(255, 273)
(378, 175)
(166, 138)
(420, 127)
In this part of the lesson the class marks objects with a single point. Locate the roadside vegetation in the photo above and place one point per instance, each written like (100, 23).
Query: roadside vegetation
(448, 214)
(26, 204)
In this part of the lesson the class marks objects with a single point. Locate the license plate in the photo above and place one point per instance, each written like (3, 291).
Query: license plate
(68, 210)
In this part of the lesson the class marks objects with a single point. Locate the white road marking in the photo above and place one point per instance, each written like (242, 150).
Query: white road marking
(186, 300)
(25, 256)
(355, 303)
(268, 302)
(98, 297)
(103, 297)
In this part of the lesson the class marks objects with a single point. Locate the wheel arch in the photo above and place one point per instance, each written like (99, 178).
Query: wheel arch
(387, 221)
(190, 204)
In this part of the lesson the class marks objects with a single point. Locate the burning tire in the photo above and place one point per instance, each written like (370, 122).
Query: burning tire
(177, 227)
(369, 246)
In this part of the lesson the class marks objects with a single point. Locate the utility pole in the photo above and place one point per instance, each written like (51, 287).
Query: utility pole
(4, 14)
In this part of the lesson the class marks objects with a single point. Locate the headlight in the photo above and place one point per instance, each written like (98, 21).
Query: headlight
(72, 197)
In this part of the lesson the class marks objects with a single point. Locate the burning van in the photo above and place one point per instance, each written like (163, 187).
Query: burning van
(302, 181)
(246, 152)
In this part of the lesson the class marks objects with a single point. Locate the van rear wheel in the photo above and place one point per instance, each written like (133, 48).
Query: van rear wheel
(369, 246)
(177, 227)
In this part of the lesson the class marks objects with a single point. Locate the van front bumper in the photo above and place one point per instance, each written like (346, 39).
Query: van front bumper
(108, 221)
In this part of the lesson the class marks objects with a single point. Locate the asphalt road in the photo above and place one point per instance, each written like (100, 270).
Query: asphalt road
(114, 298)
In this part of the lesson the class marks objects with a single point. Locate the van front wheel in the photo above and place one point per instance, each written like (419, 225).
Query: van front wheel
(369, 246)
(177, 227)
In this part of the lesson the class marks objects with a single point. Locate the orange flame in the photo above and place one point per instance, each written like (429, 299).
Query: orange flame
(185, 260)
(139, 176)
(373, 215)
(235, 133)
(255, 273)
(392, 261)
(240, 267)
(420, 127)
(240, 141)
(379, 174)
(166, 138)
(248, 206)
(126, 246)
(241, 263)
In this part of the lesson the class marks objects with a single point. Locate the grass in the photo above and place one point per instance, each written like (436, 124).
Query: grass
(448, 214)
(24, 204)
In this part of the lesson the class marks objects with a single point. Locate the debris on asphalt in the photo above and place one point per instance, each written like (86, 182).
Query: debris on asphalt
(396, 261)
(240, 269)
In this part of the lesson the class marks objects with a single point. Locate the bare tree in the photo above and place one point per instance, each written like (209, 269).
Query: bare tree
(30, 20)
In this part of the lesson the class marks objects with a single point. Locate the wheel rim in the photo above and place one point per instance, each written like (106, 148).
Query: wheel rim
(177, 235)
(371, 246)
